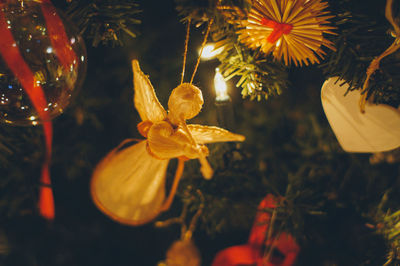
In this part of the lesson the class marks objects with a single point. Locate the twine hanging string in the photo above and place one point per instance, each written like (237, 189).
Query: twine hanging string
(374, 65)
(201, 49)
(205, 168)
(186, 49)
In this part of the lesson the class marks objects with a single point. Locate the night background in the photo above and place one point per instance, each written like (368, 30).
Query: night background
(338, 205)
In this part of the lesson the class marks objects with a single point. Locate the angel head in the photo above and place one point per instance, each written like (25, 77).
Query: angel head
(129, 183)
(185, 101)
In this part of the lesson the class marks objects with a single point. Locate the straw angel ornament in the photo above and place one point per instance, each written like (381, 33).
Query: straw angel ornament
(129, 183)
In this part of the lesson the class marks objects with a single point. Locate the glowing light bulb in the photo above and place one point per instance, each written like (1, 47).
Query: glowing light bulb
(209, 51)
(221, 89)
(251, 86)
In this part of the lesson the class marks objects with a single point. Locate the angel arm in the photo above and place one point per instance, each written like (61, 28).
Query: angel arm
(210, 134)
(166, 142)
(200, 134)
(145, 99)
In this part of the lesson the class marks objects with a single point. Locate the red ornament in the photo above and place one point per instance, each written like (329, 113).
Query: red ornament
(252, 253)
(40, 66)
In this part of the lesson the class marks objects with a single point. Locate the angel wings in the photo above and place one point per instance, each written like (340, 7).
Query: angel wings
(129, 183)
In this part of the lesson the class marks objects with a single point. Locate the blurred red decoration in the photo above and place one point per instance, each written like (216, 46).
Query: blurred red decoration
(284, 247)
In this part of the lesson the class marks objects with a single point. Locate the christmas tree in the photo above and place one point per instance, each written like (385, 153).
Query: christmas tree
(312, 86)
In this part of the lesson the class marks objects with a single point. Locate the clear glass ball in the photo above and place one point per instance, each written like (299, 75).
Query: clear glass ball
(42, 51)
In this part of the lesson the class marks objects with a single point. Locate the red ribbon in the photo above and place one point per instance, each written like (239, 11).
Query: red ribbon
(58, 37)
(15, 61)
(252, 252)
(13, 58)
(278, 29)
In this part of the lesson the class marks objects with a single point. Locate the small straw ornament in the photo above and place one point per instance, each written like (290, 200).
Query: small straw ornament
(183, 252)
(289, 29)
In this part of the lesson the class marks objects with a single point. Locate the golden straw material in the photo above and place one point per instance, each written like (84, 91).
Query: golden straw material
(292, 30)
(129, 183)
(201, 49)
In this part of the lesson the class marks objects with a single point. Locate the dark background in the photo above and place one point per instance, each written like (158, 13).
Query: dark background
(283, 135)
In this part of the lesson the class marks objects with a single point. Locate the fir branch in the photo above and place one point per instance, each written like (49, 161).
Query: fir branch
(259, 77)
(196, 11)
(361, 39)
(105, 21)
(388, 225)
(204, 10)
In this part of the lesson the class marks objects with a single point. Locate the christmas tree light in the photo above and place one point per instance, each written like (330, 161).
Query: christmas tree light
(221, 89)
(209, 51)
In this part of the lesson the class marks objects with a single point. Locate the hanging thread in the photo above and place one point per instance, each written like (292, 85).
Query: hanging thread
(201, 49)
(186, 49)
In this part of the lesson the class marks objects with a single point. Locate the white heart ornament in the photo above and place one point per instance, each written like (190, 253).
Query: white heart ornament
(376, 130)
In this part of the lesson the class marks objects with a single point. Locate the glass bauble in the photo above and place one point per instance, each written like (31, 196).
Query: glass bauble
(51, 48)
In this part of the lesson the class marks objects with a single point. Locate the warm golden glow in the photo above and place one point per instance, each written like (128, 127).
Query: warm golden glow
(209, 51)
(251, 86)
(221, 89)
(278, 43)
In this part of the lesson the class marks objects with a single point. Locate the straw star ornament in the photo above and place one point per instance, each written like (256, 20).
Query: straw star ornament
(289, 29)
